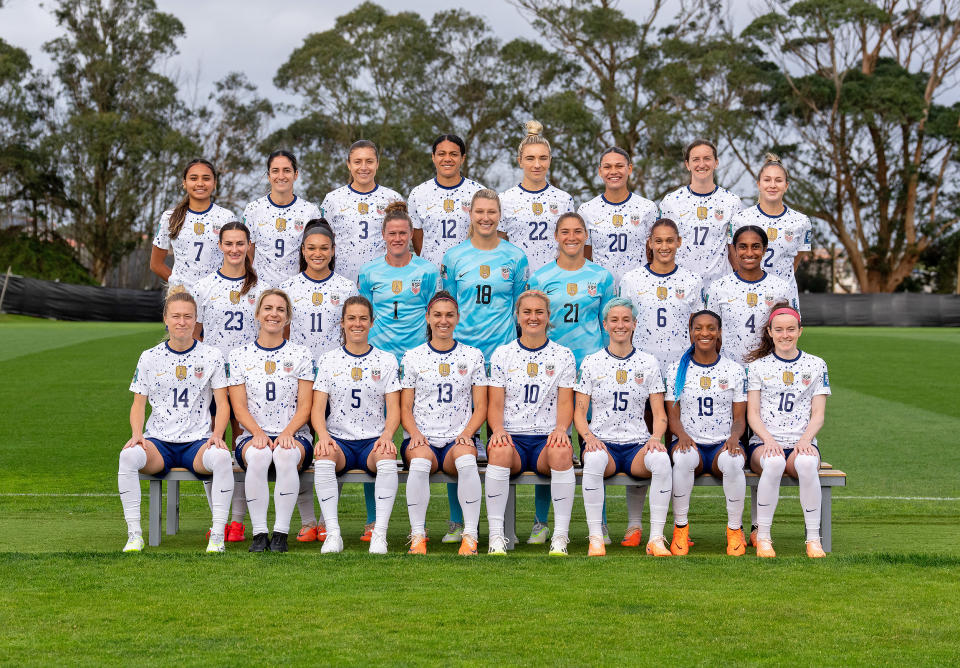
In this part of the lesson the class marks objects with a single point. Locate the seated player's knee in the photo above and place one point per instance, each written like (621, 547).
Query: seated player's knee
(501, 456)
(806, 465)
(657, 461)
(774, 465)
(131, 458)
(257, 458)
(286, 458)
(595, 461)
(560, 458)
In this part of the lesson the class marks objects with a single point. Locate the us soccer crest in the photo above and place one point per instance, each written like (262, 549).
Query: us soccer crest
(465, 207)
(635, 220)
(621, 376)
(702, 212)
(335, 300)
(198, 228)
(718, 214)
(806, 378)
(484, 271)
(181, 372)
(788, 235)
(752, 299)
(592, 289)
(768, 300)
(532, 369)
(298, 226)
(724, 383)
(662, 292)
(505, 272)
(356, 373)
(679, 292)
(444, 369)
(415, 286)
(234, 296)
(772, 233)
(537, 208)
(617, 220)
(396, 287)
(281, 224)
(462, 368)
(216, 228)
(554, 209)
(317, 298)
(638, 378)
(381, 211)
(251, 299)
(705, 382)
(550, 368)
(449, 205)
(375, 374)
(788, 377)
(198, 371)
(571, 289)
(363, 208)
(288, 366)
(270, 366)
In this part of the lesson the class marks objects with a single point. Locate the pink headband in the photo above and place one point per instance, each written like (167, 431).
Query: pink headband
(785, 310)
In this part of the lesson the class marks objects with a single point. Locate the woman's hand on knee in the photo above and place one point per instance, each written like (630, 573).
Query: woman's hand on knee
(592, 444)
(684, 443)
(216, 442)
(135, 441)
(285, 441)
(654, 445)
(558, 439)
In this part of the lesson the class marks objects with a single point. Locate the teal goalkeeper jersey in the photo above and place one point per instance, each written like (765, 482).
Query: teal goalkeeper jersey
(399, 296)
(577, 299)
(486, 284)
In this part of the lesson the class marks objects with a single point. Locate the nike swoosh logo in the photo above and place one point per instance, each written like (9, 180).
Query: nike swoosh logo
(338, 373)
(432, 206)
(213, 299)
(326, 499)
(344, 208)
(250, 368)
(763, 504)
(474, 501)
(511, 370)
(664, 491)
(224, 491)
(298, 299)
(383, 497)
(679, 496)
(809, 510)
(462, 274)
(550, 292)
(162, 373)
(734, 500)
(682, 215)
(642, 292)
(127, 492)
(285, 493)
(560, 499)
(250, 500)
(730, 301)
(590, 489)
(493, 496)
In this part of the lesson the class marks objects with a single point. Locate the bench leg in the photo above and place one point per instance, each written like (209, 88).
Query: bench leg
(753, 508)
(156, 499)
(826, 513)
(510, 518)
(173, 507)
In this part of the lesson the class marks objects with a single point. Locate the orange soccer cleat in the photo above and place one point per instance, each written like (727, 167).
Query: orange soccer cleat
(681, 540)
(235, 532)
(597, 547)
(307, 534)
(468, 546)
(658, 548)
(367, 533)
(815, 549)
(418, 544)
(765, 548)
(632, 537)
(736, 544)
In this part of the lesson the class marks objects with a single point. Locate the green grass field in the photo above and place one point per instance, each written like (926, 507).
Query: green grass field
(888, 593)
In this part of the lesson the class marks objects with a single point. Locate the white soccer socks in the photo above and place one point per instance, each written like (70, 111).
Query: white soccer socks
(563, 486)
(418, 494)
(810, 493)
(636, 497)
(385, 490)
(328, 493)
(218, 462)
(498, 492)
(594, 464)
(258, 492)
(308, 516)
(238, 506)
(684, 465)
(734, 487)
(768, 493)
(285, 492)
(661, 486)
(128, 483)
(469, 493)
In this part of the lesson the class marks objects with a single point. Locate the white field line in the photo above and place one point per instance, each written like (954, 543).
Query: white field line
(697, 496)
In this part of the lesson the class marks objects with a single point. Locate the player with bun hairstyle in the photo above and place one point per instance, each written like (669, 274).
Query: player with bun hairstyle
(746, 297)
(190, 230)
(706, 402)
(618, 221)
(226, 301)
(703, 211)
(788, 230)
(786, 402)
(530, 406)
(616, 383)
(355, 211)
(271, 389)
(360, 386)
(531, 209)
(277, 220)
(178, 378)
(440, 207)
(442, 405)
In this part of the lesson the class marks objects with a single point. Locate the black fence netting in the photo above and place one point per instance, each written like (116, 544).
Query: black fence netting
(900, 309)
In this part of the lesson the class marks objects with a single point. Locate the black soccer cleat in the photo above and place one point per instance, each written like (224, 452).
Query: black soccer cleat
(260, 543)
(279, 542)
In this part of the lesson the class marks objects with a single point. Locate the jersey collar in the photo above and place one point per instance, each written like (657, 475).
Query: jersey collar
(462, 179)
(344, 349)
(257, 344)
(628, 356)
(442, 352)
(317, 280)
(281, 206)
(533, 350)
(227, 278)
(534, 192)
(799, 355)
(200, 213)
(604, 198)
(705, 366)
(376, 186)
(180, 352)
(694, 192)
(779, 215)
(669, 273)
(743, 280)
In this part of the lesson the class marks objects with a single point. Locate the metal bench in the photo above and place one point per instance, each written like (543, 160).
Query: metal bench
(829, 478)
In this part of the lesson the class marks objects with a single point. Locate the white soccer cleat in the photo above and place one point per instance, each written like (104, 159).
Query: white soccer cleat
(134, 543)
(216, 544)
(498, 545)
(378, 543)
(606, 534)
(333, 544)
(558, 546)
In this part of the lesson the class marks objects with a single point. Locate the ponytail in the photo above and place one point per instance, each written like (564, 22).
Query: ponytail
(766, 341)
(249, 273)
(179, 214)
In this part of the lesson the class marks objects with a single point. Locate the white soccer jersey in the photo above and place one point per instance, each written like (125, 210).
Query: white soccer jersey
(703, 221)
(226, 315)
(531, 379)
(744, 307)
(788, 234)
(619, 232)
(317, 309)
(356, 219)
(618, 388)
(196, 250)
(664, 303)
(443, 214)
(443, 384)
(356, 385)
(271, 377)
(529, 219)
(787, 389)
(179, 387)
(277, 232)
(706, 402)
